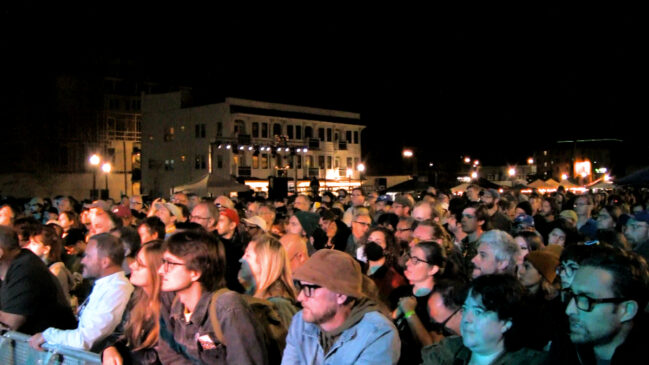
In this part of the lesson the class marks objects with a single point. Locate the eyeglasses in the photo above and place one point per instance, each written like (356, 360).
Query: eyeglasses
(309, 289)
(403, 229)
(586, 303)
(363, 223)
(568, 269)
(415, 260)
(166, 263)
(468, 216)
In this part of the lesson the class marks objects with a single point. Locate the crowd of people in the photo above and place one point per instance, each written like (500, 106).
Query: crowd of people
(344, 277)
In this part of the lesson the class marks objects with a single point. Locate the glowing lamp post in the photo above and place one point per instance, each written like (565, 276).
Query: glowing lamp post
(512, 174)
(361, 169)
(409, 154)
(94, 162)
(106, 167)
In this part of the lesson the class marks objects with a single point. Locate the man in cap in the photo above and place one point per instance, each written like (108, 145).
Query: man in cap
(338, 324)
(637, 233)
(382, 205)
(402, 206)
(255, 225)
(234, 244)
(168, 214)
(490, 199)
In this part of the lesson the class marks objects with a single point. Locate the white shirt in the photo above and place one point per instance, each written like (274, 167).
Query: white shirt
(101, 315)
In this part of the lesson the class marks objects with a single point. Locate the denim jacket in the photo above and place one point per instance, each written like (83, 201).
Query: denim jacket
(373, 340)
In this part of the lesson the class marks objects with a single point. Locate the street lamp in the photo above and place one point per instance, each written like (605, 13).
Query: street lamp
(530, 161)
(106, 169)
(564, 177)
(361, 168)
(94, 162)
(407, 153)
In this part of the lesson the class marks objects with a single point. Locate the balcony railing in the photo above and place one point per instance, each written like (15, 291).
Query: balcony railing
(245, 171)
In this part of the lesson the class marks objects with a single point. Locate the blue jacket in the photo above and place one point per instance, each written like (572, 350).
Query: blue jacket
(373, 340)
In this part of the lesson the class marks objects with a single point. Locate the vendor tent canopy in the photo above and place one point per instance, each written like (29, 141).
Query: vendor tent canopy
(553, 183)
(567, 184)
(407, 186)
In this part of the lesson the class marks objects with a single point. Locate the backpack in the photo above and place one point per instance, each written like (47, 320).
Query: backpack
(265, 312)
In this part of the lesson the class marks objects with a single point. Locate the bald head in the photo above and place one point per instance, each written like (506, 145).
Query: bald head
(296, 251)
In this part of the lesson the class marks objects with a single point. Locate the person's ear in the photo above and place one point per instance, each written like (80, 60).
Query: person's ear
(502, 265)
(46, 250)
(194, 275)
(341, 298)
(433, 270)
(627, 310)
(507, 325)
(105, 262)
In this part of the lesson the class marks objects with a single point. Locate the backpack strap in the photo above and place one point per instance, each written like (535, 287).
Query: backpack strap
(211, 312)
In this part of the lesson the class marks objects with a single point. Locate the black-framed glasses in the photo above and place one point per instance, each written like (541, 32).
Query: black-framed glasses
(166, 263)
(363, 223)
(415, 260)
(404, 229)
(309, 289)
(569, 269)
(586, 303)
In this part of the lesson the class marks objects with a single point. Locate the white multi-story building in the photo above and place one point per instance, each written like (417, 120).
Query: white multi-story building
(242, 139)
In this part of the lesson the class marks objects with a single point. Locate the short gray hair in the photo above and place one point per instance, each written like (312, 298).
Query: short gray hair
(503, 246)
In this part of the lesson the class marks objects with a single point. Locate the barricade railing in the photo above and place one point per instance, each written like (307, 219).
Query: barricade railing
(15, 350)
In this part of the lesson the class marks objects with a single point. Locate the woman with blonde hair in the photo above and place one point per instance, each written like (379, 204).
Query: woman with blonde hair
(266, 274)
(142, 326)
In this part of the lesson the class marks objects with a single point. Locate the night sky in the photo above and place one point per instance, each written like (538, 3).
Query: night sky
(495, 83)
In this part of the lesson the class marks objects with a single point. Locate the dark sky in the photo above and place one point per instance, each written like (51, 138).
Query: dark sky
(495, 83)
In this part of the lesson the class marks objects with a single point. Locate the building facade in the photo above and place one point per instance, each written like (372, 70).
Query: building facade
(244, 140)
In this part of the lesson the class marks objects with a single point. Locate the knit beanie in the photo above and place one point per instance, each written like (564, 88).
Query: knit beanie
(545, 262)
(309, 221)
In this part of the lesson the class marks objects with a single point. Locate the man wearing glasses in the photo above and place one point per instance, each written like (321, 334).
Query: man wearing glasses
(192, 270)
(338, 323)
(605, 308)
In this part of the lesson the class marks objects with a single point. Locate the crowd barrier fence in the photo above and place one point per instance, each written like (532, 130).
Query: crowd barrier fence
(15, 350)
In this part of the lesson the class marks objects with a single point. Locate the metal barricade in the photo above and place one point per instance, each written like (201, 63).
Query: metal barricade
(15, 350)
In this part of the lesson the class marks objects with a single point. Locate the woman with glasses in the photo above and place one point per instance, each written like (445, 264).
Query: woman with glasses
(142, 315)
(426, 262)
(266, 274)
(490, 327)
